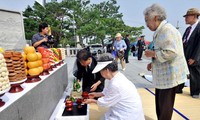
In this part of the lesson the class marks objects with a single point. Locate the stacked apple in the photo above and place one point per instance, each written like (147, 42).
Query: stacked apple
(51, 57)
(34, 61)
(45, 58)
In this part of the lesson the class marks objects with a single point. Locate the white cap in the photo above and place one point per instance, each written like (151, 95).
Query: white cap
(100, 66)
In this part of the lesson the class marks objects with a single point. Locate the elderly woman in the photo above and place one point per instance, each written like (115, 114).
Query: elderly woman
(120, 47)
(120, 95)
(169, 68)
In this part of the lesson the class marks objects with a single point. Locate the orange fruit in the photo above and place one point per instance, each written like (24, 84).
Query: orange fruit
(34, 71)
(29, 49)
(33, 64)
(32, 57)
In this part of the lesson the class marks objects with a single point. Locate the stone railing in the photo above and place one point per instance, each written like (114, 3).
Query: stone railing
(71, 51)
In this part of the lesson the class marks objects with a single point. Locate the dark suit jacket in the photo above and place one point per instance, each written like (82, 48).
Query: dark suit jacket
(192, 49)
(88, 78)
(127, 43)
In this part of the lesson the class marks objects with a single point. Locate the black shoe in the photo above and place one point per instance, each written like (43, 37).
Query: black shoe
(179, 92)
(127, 62)
(195, 96)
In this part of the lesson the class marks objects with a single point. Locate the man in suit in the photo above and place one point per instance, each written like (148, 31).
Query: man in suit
(191, 45)
(140, 45)
(127, 49)
(85, 64)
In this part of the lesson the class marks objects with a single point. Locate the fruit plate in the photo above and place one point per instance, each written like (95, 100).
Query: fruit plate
(18, 82)
(16, 86)
(76, 111)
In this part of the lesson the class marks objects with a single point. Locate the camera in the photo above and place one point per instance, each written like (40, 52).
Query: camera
(50, 39)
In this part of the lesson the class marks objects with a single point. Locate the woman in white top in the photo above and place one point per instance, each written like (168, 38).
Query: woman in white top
(120, 95)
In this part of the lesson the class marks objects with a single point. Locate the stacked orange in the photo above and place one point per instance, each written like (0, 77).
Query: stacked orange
(34, 61)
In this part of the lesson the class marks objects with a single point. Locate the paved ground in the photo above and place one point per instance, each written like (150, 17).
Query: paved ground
(133, 68)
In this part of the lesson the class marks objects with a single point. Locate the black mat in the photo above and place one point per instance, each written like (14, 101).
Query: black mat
(76, 111)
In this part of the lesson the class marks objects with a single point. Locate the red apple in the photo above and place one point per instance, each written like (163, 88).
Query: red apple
(40, 49)
(45, 60)
(46, 66)
(79, 101)
(45, 54)
(85, 95)
(69, 109)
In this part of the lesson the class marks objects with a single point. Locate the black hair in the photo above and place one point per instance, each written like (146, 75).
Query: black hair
(42, 26)
(83, 55)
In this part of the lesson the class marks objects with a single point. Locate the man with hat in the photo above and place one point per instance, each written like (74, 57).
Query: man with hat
(191, 45)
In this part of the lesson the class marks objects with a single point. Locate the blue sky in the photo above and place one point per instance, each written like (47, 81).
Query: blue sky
(131, 9)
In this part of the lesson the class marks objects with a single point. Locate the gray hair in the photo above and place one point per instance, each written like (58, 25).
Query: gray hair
(108, 57)
(105, 57)
(155, 10)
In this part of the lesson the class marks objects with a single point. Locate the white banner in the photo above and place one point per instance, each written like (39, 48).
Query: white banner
(41, 2)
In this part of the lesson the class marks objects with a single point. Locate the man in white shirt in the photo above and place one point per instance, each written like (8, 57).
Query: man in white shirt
(120, 95)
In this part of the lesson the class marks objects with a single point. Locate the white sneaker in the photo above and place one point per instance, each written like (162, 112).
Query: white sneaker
(123, 69)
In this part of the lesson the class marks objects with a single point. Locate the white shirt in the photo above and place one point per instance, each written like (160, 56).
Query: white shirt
(122, 98)
(192, 29)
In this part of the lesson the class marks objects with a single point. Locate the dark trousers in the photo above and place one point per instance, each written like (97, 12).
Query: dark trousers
(194, 80)
(165, 102)
(126, 56)
(140, 52)
(180, 88)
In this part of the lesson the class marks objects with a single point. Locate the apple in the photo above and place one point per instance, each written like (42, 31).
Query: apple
(69, 109)
(85, 95)
(45, 54)
(68, 103)
(79, 101)
(45, 60)
(40, 49)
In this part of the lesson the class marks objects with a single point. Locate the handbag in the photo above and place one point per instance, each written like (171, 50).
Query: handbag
(120, 54)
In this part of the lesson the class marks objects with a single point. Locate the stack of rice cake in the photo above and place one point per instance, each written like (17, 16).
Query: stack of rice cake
(4, 81)
(16, 66)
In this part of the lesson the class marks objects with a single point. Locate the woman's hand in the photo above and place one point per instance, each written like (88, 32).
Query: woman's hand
(149, 67)
(88, 101)
(92, 95)
(93, 87)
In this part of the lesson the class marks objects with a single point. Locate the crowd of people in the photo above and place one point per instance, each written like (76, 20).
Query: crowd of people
(174, 59)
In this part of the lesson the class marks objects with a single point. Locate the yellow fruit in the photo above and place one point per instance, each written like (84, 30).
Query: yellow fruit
(25, 64)
(33, 64)
(24, 56)
(26, 72)
(34, 71)
(32, 57)
(39, 55)
(29, 49)
(41, 69)
(1, 50)
(39, 62)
